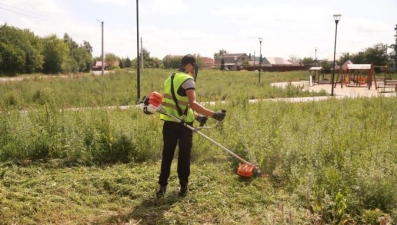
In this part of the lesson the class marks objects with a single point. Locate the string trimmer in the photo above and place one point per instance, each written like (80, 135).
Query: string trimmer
(152, 104)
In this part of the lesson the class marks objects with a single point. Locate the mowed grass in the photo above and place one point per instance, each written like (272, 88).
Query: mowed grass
(125, 194)
(329, 162)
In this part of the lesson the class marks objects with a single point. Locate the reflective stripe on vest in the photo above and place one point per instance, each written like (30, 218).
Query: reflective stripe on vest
(168, 102)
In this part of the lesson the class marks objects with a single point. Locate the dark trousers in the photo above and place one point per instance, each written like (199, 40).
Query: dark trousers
(173, 134)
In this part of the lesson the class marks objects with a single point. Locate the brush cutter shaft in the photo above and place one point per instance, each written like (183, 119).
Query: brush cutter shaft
(219, 145)
(162, 110)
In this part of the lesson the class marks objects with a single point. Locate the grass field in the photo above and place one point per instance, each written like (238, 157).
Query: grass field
(329, 162)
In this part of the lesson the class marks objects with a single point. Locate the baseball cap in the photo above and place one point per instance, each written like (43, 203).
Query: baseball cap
(188, 59)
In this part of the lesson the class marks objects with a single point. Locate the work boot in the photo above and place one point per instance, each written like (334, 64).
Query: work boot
(161, 192)
(183, 191)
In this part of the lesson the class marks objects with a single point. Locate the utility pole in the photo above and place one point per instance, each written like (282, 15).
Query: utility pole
(103, 56)
(260, 58)
(137, 51)
(142, 54)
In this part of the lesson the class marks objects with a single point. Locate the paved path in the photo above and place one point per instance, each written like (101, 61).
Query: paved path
(350, 92)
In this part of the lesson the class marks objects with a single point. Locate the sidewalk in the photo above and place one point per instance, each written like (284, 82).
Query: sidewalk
(339, 92)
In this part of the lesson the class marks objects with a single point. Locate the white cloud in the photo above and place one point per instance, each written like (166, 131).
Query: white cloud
(163, 7)
(117, 2)
(37, 7)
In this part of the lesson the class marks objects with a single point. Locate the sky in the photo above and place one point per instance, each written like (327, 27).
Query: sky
(288, 28)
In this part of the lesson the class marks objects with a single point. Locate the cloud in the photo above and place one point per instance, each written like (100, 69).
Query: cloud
(37, 7)
(117, 2)
(163, 7)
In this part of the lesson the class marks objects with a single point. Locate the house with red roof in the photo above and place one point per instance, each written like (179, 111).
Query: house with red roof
(208, 62)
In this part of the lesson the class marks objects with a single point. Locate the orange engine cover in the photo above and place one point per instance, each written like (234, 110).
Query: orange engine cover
(245, 170)
(155, 98)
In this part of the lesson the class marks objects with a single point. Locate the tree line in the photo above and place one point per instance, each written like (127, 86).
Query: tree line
(23, 52)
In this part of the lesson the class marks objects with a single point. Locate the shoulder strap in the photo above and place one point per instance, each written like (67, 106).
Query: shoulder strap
(173, 95)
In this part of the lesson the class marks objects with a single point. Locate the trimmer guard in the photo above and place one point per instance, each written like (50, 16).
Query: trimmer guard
(245, 170)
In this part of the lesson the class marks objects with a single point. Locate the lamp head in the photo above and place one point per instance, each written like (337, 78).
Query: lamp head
(337, 17)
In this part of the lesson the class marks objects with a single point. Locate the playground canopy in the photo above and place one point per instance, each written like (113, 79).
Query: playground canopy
(316, 68)
(359, 66)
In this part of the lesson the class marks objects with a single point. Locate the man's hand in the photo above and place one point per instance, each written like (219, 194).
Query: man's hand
(219, 115)
(201, 119)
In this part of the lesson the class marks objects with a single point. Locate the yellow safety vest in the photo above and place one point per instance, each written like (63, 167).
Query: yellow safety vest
(169, 104)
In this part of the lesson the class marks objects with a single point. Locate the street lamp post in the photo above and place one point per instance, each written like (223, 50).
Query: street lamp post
(315, 56)
(336, 18)
(260, 58)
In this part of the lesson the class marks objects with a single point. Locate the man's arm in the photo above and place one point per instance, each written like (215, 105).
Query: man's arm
(191, 96)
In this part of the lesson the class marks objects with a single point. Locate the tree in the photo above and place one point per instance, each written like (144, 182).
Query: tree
(110, 59)
(20, 51)
(34, 58)
(245, 63)
(394, 47)
(172, 62)
(122, 63)
(11, 59)
(56, 54)
(222, 64)
(127, 62)
(82, 59)
(358, 58)
(307, 61)
(79, 56)
(344, 57)
(377, 54)
(220, 53)
(327, 65)
(199, 61)
(88, 47)
(149, 62)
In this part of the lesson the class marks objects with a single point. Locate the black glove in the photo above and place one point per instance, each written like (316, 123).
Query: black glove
(219, 115)
(145, 102)
(201, 119)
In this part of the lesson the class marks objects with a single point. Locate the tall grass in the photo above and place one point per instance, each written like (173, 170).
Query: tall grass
(120, 88)
(334, 158)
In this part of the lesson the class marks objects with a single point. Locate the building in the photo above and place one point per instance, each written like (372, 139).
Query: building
(232, 61)
(98, 66)
(277, 61)
(208, 62)
(255, 62)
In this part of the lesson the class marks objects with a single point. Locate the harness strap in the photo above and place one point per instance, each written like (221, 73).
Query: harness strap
(176, 100)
